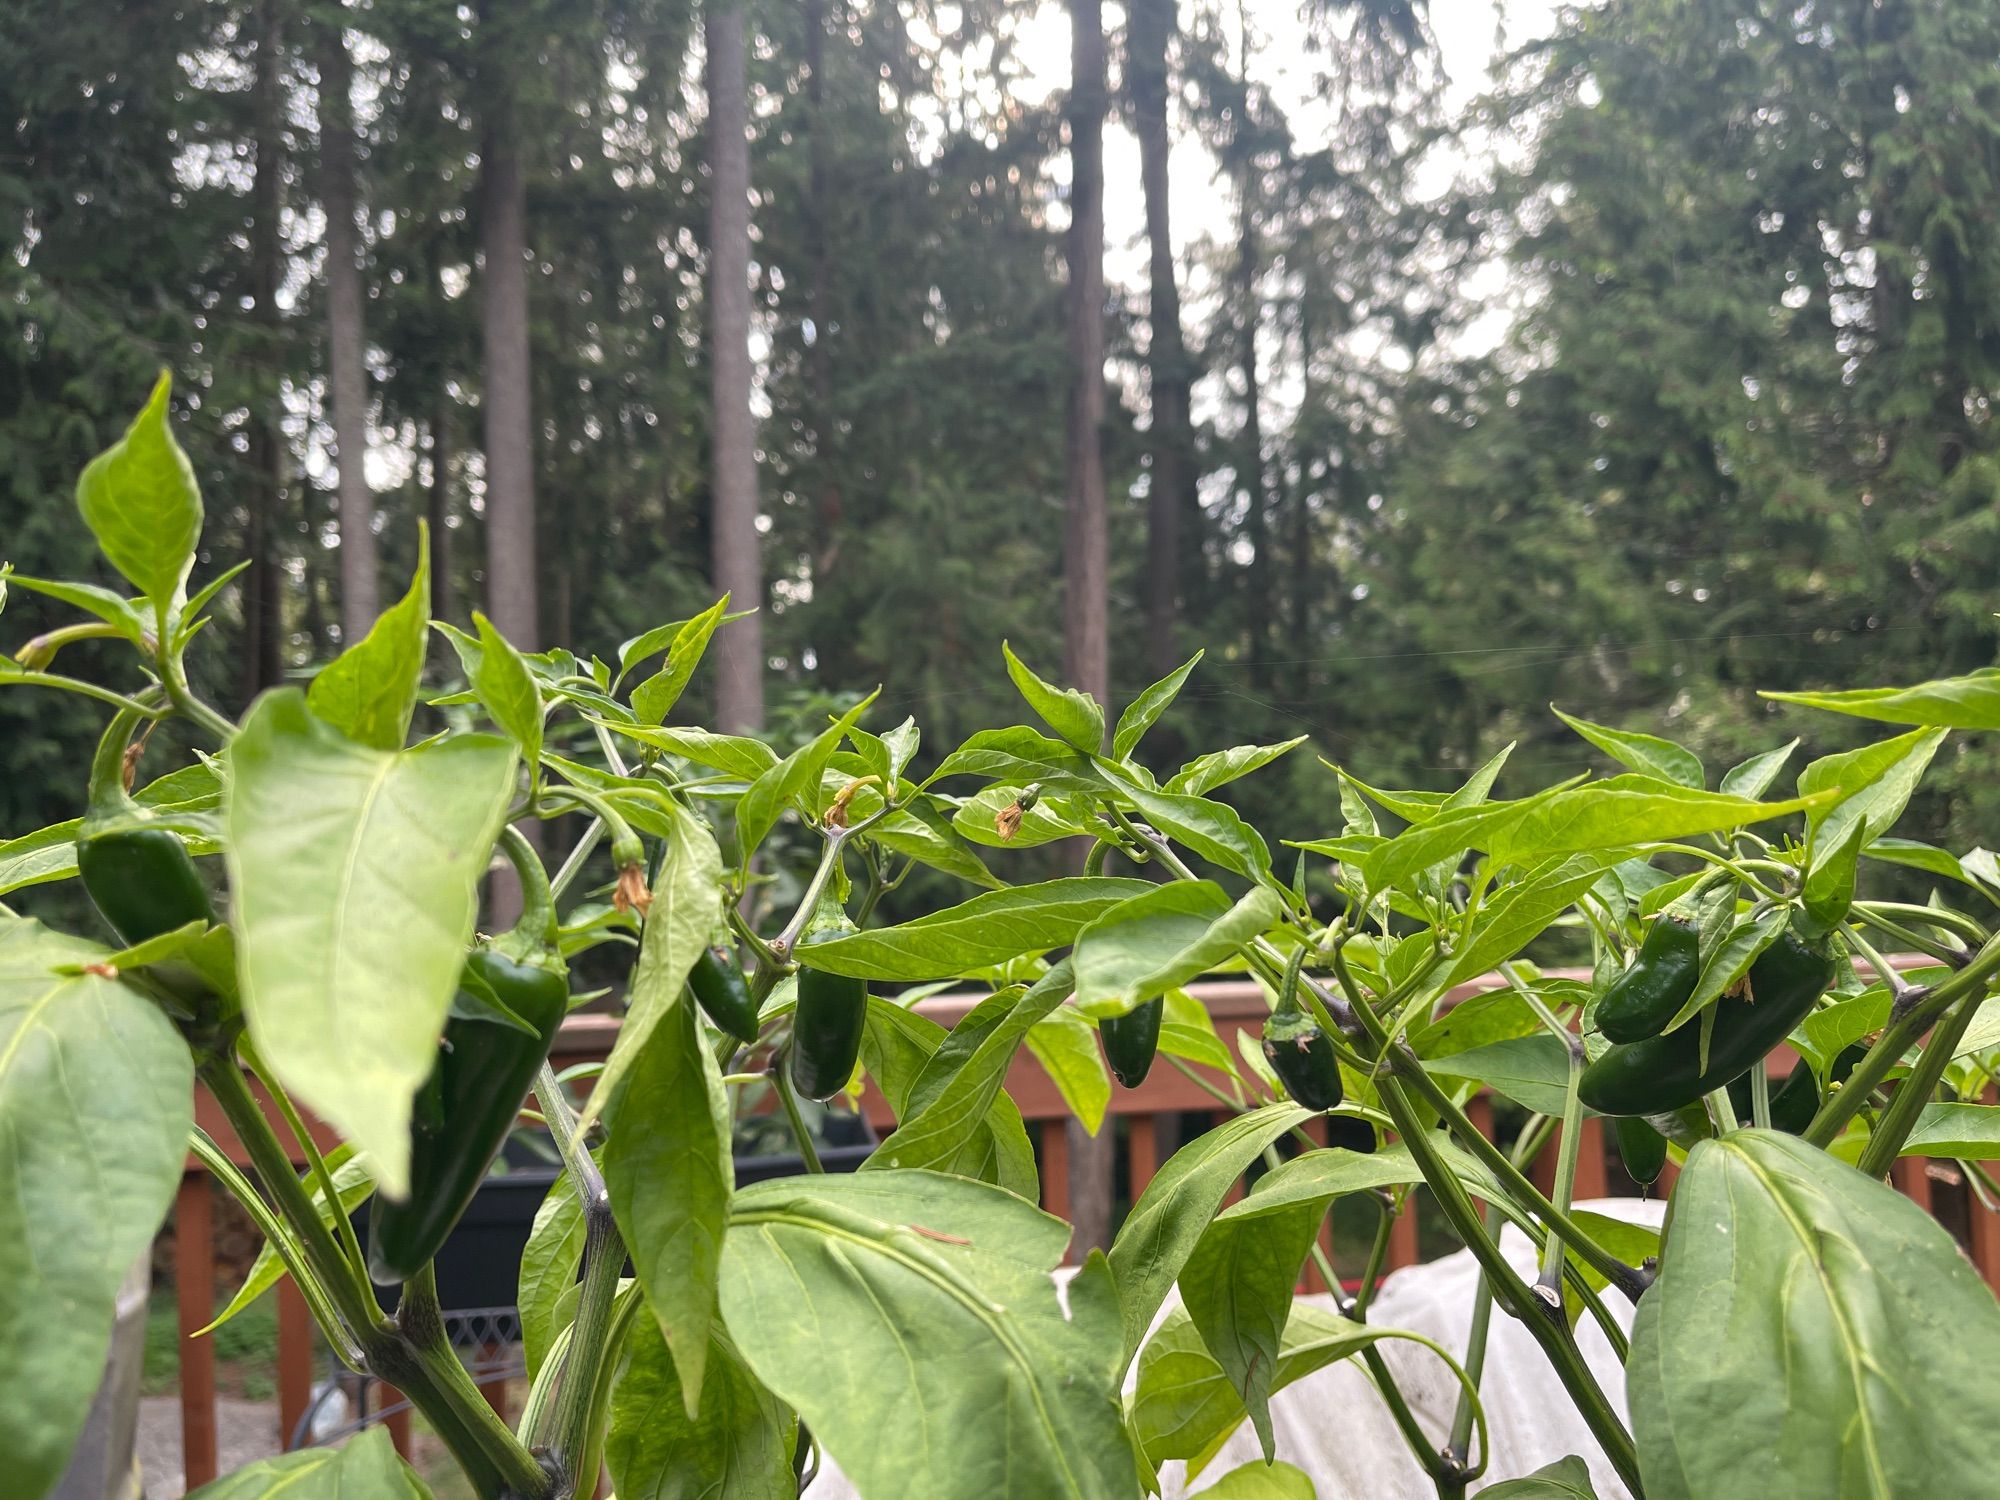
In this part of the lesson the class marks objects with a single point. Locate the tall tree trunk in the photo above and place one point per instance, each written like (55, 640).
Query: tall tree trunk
(737, 571)
(345, 354)
(1086, 630)
(437, 511)
(511, 600)
(263, 603)
(1254, 476)
(1299, 622)
(819, 294)
(1171, 495)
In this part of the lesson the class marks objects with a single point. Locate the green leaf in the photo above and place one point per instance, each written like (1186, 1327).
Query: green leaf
(1050, 819)
(96, 1094)
(1185, 1406)
(670, 1173)
(1161, 938)
(1265, 1481)
(920, 833)
(1478, 787)
(1205, 773)
(934, 1133)
(1565, 1479)
(1969, 702)
(1970, 1132)
(1533, 1071)
(1494, 1016)
(1167, 1221)
(687, 900)
(654, 699)
(130, 616)
(1917, 856)
(364, 1468)
(1627, 810)
(797, 775)
(1519, 913)
(737, 1446)
(549, 1264)
(369, 691)
(910, 1057)
(731, 754)
(140, 500)
(1753, 777)
(1870, 786)
(990, 929)
(1066, 1047)
(507, 688)
(351, 1185)
(1829, 884)
(1188, 1031)
(1145, 710)
(1075, 716)
(1731, 960)
(1811, 1323)
(1212, 830)
(1647, 754)
(1018, 756)
(848, 1295)
(354, 880)
(50, 853)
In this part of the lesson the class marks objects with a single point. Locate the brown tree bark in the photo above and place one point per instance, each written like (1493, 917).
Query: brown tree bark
(437, 511)
(511, 598)
(1086, 630)
(1171, 496)
(819, 295)
(263, 603)
(346, 357)
(1254, 476)
(736, 567)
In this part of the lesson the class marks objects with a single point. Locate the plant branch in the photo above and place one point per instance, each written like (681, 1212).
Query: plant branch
(781, 1078)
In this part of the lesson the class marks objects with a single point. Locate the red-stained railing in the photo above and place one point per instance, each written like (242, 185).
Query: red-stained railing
(1234, 1006)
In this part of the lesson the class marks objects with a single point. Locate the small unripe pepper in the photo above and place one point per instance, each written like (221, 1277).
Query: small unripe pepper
(1642, 1149)
(485, 1066)
(1640, 1001)
(721, 990)
(831, 1014)
(1298, 1049)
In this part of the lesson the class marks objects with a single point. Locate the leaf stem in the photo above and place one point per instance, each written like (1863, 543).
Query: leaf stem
(781, 1078)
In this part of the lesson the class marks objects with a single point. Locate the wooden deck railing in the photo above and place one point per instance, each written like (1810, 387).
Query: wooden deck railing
(1143, 1114)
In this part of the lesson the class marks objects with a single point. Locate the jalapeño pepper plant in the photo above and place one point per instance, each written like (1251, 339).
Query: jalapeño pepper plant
(299, 906)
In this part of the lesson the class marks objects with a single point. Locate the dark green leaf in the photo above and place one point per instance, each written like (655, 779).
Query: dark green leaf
(1161, 938)
(738, 1446)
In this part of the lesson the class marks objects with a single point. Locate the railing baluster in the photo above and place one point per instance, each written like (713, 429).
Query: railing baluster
(194, 1287)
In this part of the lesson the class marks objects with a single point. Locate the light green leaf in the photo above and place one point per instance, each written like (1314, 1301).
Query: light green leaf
(987, 930)
(1048, 820)
(1811, 1323)
(549, 1264)
(507, 688)
(1205, 773)
(351, 1185)
(369, 691)
(1519, 913)
(1753, 777)
(131, 617)
(796, 776)
(738, 1446)
(943, 1124)
(1565, 1479)
(1188, 1031)
(1478, 788)
(1018, 756)
(1164, 1225)
(96, 1096)
(919, 832)
(848, 1295)
(1647, 754)
(731, 754)
(140, 500)
(1161, 938)
(354, 876)
(1917, 856)
(1628, 810)
(364, 1468)
(1145, 710)
(654, 699)
(1076, 717)
(1066, 1047)
(1869, 787)
(1212, 830)
(1829, 884)
(1969, 702)
(1265, 1481)
(687, 900)
(1970, 1132)
(670, 1173)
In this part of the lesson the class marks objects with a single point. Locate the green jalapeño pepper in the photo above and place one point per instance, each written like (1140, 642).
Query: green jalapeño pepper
(1640, 1001)
(1131, 1040)
(1297, 1048)
(140, 877)
(722, 991)
(487, 1061)
(1642, 1149)
(1662, 1073)
(832, 1012)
